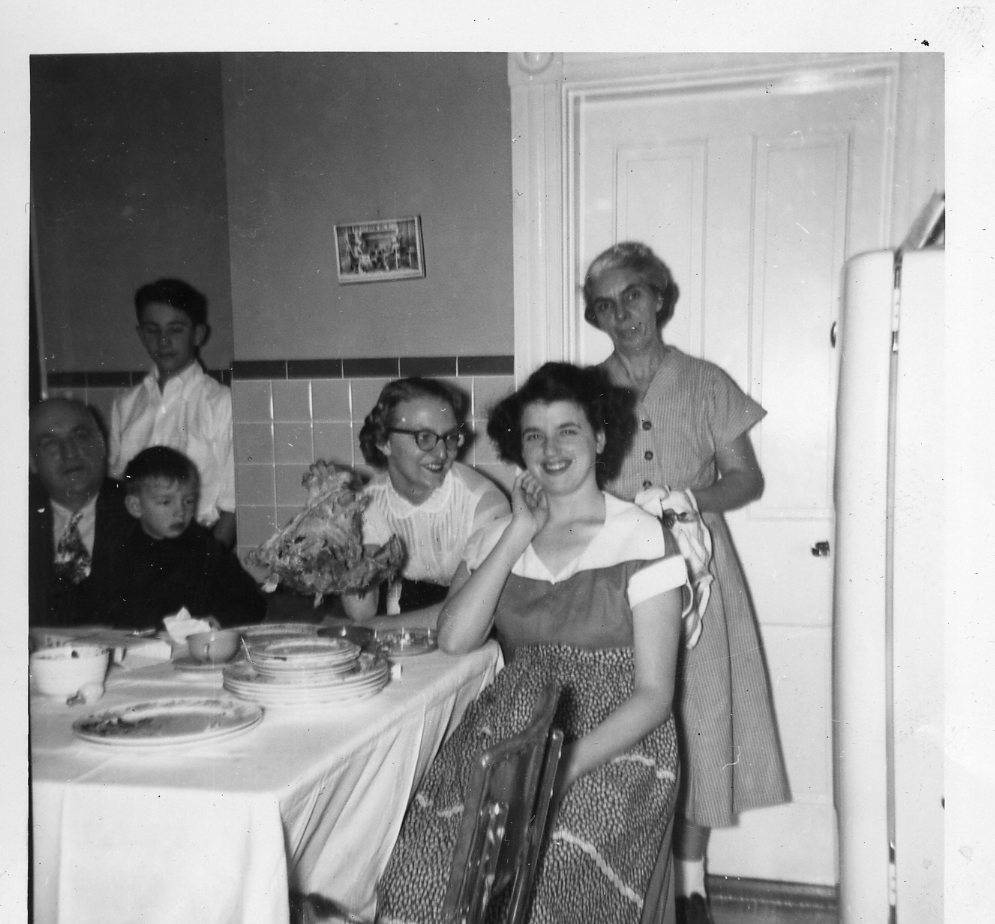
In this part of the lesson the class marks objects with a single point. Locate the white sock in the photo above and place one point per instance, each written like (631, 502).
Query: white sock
(689, 877)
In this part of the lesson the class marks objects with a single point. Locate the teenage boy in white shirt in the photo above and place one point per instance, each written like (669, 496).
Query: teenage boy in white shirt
(177, 404)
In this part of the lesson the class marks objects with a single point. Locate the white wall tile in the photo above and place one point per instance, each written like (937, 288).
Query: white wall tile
(253, 442)
(292, 400)
(331, 399)
(364, 396)
(254, 485)
(334, 442)
(488, 389)
(252, 400)
(292, 442)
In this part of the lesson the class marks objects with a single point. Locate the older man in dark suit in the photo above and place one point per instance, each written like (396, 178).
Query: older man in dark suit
(78, 520)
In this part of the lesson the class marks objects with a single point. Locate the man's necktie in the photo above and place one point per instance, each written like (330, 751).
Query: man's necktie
(72, 560)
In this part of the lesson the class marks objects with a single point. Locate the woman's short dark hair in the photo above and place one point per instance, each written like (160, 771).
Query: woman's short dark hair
(650, 269)
(177, 294)
(608, 408)
(374, 432)
(159, 462)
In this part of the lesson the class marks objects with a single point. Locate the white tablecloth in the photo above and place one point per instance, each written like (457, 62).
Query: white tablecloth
(217, 832)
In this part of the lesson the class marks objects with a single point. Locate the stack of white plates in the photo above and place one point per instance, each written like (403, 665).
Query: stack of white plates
(271, 631)
(304, 659)
(367, 676)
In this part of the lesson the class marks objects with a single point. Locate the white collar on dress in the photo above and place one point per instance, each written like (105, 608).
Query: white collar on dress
(626, 533)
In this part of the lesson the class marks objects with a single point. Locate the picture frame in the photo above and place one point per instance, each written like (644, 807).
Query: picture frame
(380, 251)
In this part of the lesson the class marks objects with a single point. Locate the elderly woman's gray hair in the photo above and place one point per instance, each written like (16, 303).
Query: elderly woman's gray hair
(646, 265)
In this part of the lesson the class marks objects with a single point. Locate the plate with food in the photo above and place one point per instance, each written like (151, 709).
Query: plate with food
(406, 641)
(168, 722)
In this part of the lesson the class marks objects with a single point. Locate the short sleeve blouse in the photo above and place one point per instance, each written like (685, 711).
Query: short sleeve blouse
(435, 533)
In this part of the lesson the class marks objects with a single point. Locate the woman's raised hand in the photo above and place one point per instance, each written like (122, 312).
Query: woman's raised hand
(529, 504)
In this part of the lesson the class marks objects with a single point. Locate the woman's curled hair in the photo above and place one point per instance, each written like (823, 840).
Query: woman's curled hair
(608, 408)
(379, 421)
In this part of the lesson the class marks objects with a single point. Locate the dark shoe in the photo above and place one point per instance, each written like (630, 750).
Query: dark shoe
(693, 910)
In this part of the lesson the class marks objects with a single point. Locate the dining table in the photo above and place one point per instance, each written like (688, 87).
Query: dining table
(308, 799)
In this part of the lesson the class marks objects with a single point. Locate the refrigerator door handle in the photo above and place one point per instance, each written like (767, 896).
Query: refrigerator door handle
(832, 335)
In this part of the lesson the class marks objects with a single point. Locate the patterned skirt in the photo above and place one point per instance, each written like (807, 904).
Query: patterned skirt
(606, 837)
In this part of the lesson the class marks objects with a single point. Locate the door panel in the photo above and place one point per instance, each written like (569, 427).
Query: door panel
(751, 197)
(754, 194)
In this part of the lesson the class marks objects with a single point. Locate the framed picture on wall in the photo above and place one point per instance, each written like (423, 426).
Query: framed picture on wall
(380, 251)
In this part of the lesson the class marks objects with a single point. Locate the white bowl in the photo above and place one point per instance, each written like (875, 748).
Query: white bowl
(62, 671)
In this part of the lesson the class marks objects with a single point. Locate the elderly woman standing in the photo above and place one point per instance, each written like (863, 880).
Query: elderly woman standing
(420, 493)
(692, 454)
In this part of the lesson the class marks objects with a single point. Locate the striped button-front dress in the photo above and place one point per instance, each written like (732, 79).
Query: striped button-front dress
(730, 752)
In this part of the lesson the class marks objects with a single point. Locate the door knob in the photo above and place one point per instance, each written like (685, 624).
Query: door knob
(820, 549)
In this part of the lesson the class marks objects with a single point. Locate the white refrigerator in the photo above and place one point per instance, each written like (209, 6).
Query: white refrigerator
(888, 596)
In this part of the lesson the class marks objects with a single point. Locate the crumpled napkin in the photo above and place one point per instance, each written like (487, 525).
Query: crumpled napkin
(142, 652)
(181, 625)
(679, 510)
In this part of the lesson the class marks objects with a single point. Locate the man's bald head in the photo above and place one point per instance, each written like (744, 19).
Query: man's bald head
(67, 451)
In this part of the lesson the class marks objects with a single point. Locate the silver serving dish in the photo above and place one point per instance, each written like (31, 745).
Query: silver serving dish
(405, 641)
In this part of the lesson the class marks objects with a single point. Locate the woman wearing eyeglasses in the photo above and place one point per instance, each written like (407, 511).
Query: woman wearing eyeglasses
(420, 493)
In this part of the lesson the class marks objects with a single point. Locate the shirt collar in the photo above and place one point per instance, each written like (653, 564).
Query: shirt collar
(65, 514)
(435, 502)
(87, 522)
(179, 382)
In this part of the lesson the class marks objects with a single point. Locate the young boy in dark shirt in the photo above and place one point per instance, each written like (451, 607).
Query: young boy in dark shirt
(172, 561)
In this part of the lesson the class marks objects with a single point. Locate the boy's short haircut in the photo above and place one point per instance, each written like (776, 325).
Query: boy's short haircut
(158, 462)
(177, 294)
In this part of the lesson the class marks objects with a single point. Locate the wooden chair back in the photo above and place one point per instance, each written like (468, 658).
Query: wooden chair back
(504, 821)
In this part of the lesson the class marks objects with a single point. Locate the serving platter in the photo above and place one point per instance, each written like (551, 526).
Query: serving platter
(168, 722)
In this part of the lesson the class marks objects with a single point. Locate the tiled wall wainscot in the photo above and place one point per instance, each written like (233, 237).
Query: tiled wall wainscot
(287, 415)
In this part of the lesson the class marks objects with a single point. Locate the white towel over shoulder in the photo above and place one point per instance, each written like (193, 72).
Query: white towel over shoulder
(695, 543)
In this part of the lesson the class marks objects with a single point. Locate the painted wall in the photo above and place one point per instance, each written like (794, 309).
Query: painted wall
(128, 184)
(139, 163)
(317, 139)
(249, 160)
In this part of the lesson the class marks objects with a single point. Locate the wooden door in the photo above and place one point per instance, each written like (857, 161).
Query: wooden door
(754, 191)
